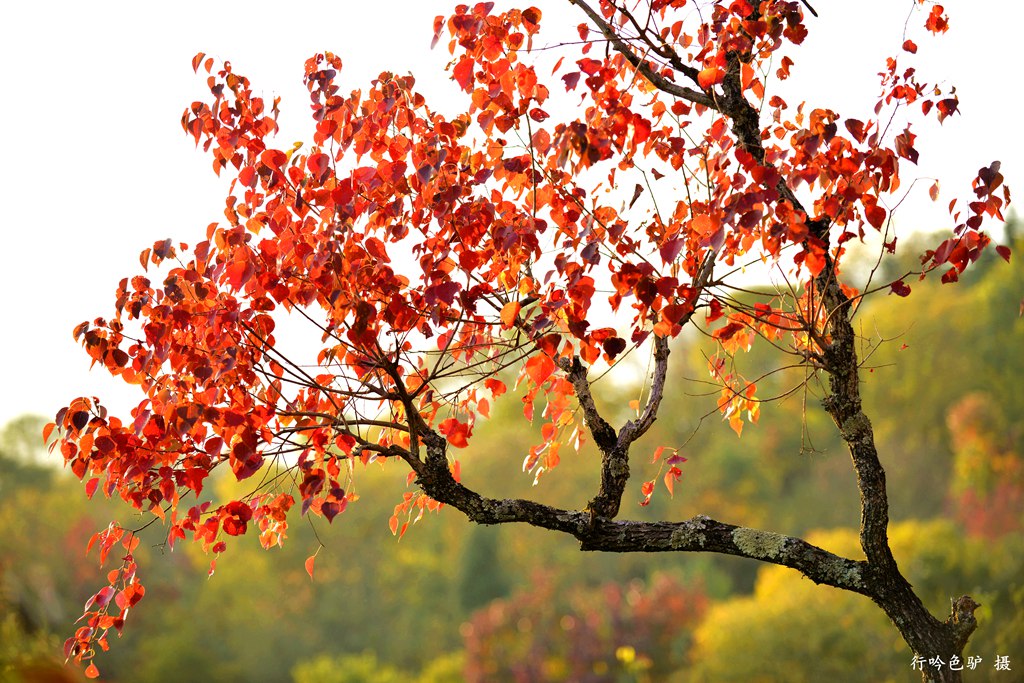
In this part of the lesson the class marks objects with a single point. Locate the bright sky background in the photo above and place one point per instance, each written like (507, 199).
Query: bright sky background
(96, 166)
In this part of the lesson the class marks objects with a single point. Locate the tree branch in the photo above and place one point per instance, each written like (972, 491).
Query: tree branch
(645, 70)
(614, 455)
(632, 431)
(699, 534)
(889, 589)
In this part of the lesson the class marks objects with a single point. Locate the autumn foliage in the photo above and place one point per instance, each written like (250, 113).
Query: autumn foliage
(448, 262)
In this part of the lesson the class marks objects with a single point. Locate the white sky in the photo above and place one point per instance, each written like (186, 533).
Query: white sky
(97, 167)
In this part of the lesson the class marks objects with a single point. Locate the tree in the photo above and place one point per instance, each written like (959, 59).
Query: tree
(437, 256)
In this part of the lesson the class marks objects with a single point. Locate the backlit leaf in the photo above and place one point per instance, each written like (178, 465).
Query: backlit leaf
(310, 561)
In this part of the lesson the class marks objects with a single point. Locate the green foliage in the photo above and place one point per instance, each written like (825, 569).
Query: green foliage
(445, 669)
(940, 345)
(482, 575)
(24, 652)
(362, 668)
(21, 456)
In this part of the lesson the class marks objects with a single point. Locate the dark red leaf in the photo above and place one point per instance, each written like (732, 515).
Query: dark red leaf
(900, 288)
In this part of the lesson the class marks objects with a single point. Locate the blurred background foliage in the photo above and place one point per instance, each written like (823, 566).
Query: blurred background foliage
(452, 602)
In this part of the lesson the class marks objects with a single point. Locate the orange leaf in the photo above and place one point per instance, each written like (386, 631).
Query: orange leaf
(710, 76)
(670, 481)
(703, 224)
(91, 671)
(736, 422)
(539, 368)
(309, 564)
(509, 312)
(746, 75)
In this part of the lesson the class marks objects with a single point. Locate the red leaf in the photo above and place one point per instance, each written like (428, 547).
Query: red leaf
(274, 158)
(946, 107)
(670, 250)
(647, 489)
(728, 331)
(875, 215)
(539, 368)
(318, 165)
(531, 19)
(495, 386)
(910, 46)
(937, 22)
(641, 129)
(714, 310)
(637, 191)
(236, 515)
(900, 288)
(376, 249)
(91, 671)
(905, 146)
(856, 129)
(463, 73)
(456, 432)
(613, 346)
(1003, 251)
(783, 71)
